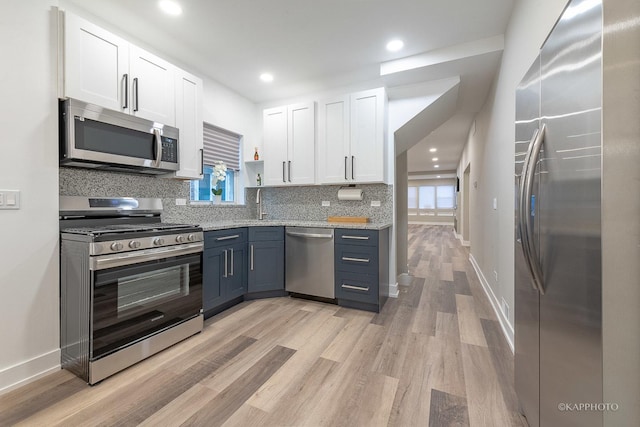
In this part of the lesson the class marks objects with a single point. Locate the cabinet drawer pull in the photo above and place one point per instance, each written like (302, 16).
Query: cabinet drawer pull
(235, 236)
(356, 288)
(353, 173)
(284, 167)
(289, 170)
(345, 168)
(251, 257)
(356, 237)
(344, 258)
(226, 265)
(231, 262)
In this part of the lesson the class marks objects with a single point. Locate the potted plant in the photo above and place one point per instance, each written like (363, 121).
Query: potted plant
(217, 178)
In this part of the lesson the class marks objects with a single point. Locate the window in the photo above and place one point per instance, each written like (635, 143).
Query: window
(219, 146)
(432, 200)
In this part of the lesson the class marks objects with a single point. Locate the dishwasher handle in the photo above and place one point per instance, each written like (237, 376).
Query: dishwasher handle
(310, 235)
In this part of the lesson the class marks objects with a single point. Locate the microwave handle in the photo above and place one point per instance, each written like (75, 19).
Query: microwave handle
(158, 141)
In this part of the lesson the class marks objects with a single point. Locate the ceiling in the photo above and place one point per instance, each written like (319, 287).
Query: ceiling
(311, 46)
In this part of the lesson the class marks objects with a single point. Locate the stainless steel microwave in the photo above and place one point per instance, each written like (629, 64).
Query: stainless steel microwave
(98, 138)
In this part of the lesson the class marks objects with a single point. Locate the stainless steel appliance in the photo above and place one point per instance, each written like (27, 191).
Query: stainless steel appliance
(309, 261)
(130, 284)
(577, 147)
(98, 138)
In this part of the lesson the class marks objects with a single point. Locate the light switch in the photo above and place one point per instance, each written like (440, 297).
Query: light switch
(9, 199)
(495, 203)
(181, 202)
(375, 203)
(326, 203)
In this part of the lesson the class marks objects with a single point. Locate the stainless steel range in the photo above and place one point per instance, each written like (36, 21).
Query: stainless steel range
(130, 284)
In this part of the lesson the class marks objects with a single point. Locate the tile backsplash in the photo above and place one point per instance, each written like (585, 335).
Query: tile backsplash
(290, 203)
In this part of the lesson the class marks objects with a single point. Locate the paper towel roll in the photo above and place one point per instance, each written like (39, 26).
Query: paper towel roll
(350, 194)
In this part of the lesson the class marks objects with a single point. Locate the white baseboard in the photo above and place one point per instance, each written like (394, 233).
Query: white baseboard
(393, 290)
(30, 370)
(507, 328)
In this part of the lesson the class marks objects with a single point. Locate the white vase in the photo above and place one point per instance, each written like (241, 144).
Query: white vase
(217, 199)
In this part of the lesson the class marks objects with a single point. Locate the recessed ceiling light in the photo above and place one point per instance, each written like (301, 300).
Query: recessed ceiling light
(266, 77)
(436, 166)
(438, 176)
(433, 150)
(395, 45)
(170, 7)
(435, 159)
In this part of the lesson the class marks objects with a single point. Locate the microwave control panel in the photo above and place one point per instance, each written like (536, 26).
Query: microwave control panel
(169, 149)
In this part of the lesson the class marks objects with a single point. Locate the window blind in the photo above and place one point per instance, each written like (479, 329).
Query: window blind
(220, 144)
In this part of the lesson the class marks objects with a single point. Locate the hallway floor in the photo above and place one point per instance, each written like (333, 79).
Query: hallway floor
(435, 356)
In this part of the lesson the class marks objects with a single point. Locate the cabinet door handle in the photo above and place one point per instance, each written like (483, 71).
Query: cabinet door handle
(356, 288)
(125, 91)
(231, 262)
(135, 94)
(251, 257)
(353, 159)
(365, 260)
(345, 167)
(235, 236)
(201, 161)
(284, 166)
(355, 237)
(289, 170)
(226, 273)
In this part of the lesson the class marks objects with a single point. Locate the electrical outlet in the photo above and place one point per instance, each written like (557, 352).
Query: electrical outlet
(505, 308)
(495, 274)
(9, 199)
(375, 203)
(181, 202)
(326, 203)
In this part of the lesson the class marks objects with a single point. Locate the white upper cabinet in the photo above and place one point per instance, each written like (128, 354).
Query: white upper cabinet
(104, 69)
(368, 117)
(351, 138)
(152, 87)
(96, 64)
(289, 144)
(188, 113)
(334, 140)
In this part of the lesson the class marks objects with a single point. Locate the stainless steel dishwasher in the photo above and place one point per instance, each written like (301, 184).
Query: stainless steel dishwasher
(309, 261)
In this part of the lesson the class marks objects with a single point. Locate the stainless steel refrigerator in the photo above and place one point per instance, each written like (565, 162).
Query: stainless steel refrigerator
(573, 113)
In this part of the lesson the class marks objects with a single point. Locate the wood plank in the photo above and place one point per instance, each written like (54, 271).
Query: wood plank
(447, 410)
(484, 395)
(468, 321)
(220, 408)
(461, 283)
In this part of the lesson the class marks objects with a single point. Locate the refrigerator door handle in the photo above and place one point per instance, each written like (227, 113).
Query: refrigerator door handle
(526, 190)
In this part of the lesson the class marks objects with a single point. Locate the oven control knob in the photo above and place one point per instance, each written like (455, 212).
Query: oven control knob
(158, 241)
(180, 238)
(116, 246)
(191, 237)
(134, 244)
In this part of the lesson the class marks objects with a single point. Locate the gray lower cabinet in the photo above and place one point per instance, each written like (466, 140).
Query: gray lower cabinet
(224, 268)
(361, 268)
(266, 261)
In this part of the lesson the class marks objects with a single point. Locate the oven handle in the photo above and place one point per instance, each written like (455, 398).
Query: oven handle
(110, 261)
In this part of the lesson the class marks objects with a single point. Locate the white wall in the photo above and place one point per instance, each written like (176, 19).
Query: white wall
(29, 325)
(491, 150)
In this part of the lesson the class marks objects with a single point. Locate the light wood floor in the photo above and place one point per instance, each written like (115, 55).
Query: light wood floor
(433, 357)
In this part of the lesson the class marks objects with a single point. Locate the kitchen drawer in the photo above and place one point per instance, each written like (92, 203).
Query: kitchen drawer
(356, 237)
(263, 234)
(225, 237)
(357, 287)
(356, 259)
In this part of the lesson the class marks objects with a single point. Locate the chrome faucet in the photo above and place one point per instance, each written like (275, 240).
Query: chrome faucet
(259, 202)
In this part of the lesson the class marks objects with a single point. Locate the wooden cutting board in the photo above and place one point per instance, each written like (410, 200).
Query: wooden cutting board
(357, 219)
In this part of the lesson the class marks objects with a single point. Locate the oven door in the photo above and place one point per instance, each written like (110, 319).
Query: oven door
(133, 301)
